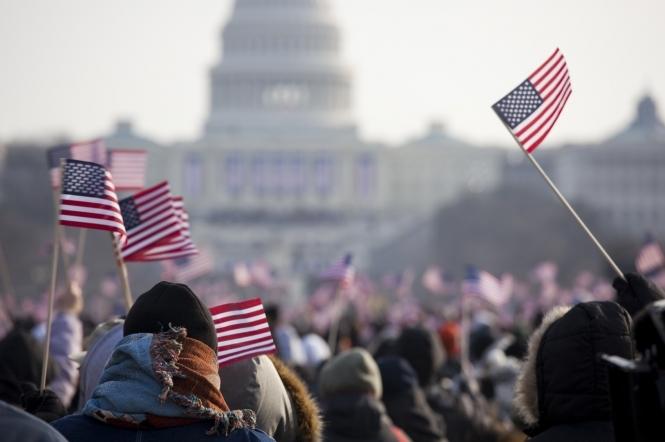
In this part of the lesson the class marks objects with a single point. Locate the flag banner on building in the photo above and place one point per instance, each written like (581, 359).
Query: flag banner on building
(341, 272)
(242, 331)
(93, 151)
(483, 285)
(150, 220)
(179, 246)
(88, 199)
(128, 167)
(532, 108)
(650, 259)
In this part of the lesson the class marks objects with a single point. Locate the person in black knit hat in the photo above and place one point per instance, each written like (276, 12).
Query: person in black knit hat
(162, 381)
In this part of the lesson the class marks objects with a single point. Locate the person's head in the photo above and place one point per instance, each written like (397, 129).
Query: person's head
(563, 381)
(168, 305)
(351, 372)
(423, 351)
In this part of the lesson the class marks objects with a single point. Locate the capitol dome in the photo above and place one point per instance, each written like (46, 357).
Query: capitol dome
(280, 71)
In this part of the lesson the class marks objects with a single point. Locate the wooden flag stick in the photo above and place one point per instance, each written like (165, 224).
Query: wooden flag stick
(80, 248)
(54, 276)
(122, 268)
(567, 205)
(333, 332)
(60, 235)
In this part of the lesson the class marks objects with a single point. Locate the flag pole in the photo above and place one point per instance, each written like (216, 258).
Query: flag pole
(80, 248)
(122, 268)
(54, 275)
(60, 236)
(567, 205)
(334, 321)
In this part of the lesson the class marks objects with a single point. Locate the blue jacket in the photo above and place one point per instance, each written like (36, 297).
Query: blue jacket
(80, 428)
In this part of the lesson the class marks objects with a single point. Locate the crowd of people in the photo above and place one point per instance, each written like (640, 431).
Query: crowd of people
(430, 373)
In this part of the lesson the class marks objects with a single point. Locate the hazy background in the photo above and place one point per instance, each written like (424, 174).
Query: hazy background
(74, 66)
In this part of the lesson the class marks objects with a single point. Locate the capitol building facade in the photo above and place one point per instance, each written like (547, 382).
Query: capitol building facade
(279, 172)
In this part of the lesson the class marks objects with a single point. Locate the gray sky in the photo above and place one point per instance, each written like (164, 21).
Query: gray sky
(75, 66)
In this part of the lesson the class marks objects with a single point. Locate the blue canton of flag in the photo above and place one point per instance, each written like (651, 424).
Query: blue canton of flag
(518, 105)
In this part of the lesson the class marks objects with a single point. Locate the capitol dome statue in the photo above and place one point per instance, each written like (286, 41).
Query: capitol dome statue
(280, 71)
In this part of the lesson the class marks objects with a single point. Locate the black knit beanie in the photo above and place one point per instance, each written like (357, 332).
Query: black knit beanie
(168, 303)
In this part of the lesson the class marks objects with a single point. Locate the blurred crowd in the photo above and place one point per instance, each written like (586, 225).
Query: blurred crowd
(372, 362)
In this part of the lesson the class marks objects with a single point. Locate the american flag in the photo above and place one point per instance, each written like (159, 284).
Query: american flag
(341, 272)
(150, 220)
(650, 259)
(531, 109)
(128, 168)
(177, 247)
(192, 267)
(242, 331)
(93, 151)
(484, 285)
(88, 199)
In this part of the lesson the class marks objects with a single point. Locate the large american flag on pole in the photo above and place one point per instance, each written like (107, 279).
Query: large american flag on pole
(128, 168)
(150, 220)
(93, 151)
(531, 109)
(242, 331)
(88, 199)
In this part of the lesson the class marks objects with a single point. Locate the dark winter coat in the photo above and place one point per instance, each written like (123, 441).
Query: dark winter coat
(563, 390)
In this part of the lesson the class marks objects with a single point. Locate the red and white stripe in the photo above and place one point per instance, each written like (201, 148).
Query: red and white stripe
(93, 212)
(552, 82)
(242, 331)
(159, 222)
(128, 167)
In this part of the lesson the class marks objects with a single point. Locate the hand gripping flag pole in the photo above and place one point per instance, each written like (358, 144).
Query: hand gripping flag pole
(530, 111)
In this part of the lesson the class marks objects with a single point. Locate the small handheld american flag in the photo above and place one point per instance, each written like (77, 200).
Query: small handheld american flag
(93, 151)
(179, 246)
(484, 285)
(88, 199)
(128, 168)
(242, 331)
(341, 272)
(150, 220)
(650, 259)
(530, 110)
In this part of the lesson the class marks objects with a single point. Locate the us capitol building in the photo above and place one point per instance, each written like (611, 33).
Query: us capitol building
(279, 172)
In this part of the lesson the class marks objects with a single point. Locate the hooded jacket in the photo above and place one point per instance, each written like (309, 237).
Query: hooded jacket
(562, 392)
(406, 403)
(283, 406)
(350, 388)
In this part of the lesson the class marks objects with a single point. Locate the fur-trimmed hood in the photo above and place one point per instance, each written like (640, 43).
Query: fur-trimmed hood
(310, 424)
(562, 380)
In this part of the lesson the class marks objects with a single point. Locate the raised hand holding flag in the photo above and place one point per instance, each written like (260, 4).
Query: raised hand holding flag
(530, 111)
